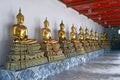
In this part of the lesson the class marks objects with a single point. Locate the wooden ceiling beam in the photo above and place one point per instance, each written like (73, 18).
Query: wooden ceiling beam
(110, 20)
(112, 23)
(104, 14)
(83, 2)
(99, 9)
(109, 23)
(106, 17)
(96, 20)
(109, 12)
(112, 26)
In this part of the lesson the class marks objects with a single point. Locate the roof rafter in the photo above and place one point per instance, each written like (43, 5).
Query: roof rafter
(82, 2)
(100, 9)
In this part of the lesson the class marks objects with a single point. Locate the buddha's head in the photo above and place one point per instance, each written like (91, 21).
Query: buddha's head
(105, 34)
(86, 30)
(91, 31)
(62, 25)
(101, 36)
(96, 34)
(20, 18)
(81, 30)
(73, 28)
(46, 23)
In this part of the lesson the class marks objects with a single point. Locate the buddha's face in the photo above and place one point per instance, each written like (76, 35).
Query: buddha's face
(96, 33)
(62, 27)
(46, 25)
(73, 29)
(104, 34)
(80, 31)
(86, 31)
(91, 32)
(20, 20)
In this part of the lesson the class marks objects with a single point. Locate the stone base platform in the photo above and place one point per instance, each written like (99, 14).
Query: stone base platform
(41, 72)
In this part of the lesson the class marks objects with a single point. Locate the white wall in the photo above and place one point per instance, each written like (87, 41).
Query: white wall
(35, 12)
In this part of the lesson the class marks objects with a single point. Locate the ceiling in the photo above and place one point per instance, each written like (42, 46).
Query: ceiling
(104, 12)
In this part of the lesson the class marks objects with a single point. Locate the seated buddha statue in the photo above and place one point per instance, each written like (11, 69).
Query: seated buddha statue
(106, 40)
(81, 35)
(73, 35)
(114, 40)
(61, 34)
(102, 40)
(86, 34)
(79, 46)
(87, 44)
(19, 31)
(91, 36)
(96, 41)
(101, 37)
(96, 36)
(24, 52)
(105, 37)
(51, 47)
(91, 40)
(66, 45)
(46, 33)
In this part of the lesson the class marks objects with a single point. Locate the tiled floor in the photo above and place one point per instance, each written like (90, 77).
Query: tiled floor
(105, 67)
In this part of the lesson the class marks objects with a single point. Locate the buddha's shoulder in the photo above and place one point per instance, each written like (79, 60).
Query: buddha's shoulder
(19, 26)
(15, 25)
(71, 33)
(60, 31)
(44, 29)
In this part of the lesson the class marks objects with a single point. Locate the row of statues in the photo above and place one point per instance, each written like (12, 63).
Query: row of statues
(28, 52)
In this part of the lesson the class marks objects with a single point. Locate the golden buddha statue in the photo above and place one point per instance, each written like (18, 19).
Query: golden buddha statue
(114, 40)
(81, 35)
(24, 52)
(73, 34)
(96, 41)
(51, 47)
(102, 40)
(87, 43)
(79, 47)
(65, 44)
(101, 37)
(96, 36)
(46, 33)
(105, 37)
(105, 41)
(20, 32)
(91, 40)
(86, 34)
(61, 33)
(91, 35)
